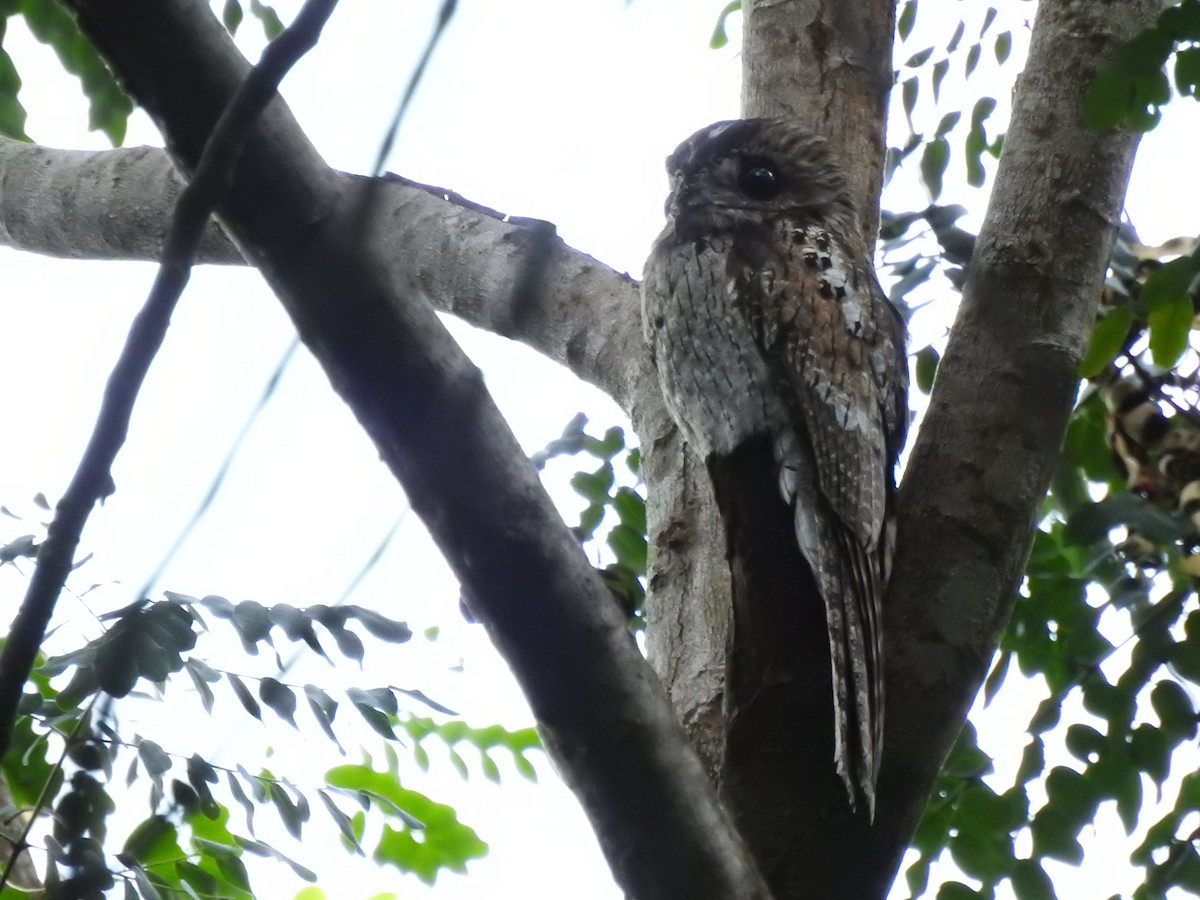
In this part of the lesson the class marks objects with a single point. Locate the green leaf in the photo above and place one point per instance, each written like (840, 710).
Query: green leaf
(719, 36)
(1092, 522)
(988, 18)
(152, 841)
(972, 59)
(12, 113)
(381, 626)
(349, 644)
(1085, 743)
(490, 770)
(631, 508)
(1108, 99)
(444, 842)
(933, 165)
(201, 685)
(959, 30)
(949, 120)
(926, 368)
(1054, 835)
(966, 760)
(154, 758)
(908, 96)
(906, 19)
(1129, 798)
(272, 26)
(204, 882)
(234, 871)
(1003, 46)
(629, 546)
(1174, 709)
(200, 775)
(376, 707)
(941, 68)
(1108, 337)
(1030, 881)
(253, 623)
(342, 821)
(1146, 52)
(324, 709)
(109, 107)
(981, 851)
(280, 698)
(594, 486)
(293, 814)
(1170, 327)
(239, 795)
(956, 890)
(1181, 22)
(1151, 752)
(231, 16)
(1046, 716)
(1187, 71)
(244, 696)
(919, 58)
(259, 848)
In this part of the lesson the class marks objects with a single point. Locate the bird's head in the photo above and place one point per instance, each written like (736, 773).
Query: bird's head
(749, 171)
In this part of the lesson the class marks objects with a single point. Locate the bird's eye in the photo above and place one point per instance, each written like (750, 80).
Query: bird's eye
(759, 180)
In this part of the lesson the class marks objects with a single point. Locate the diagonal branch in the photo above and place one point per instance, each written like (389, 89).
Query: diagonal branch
(1005, 388)
(602, 712)
(93, 479)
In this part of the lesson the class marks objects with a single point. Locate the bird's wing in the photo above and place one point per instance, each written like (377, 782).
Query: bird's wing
(827, 329)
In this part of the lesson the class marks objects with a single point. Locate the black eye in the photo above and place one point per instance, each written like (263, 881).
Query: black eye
(759, 180)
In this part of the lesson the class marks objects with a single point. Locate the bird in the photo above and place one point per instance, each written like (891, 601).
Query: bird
(768, 327)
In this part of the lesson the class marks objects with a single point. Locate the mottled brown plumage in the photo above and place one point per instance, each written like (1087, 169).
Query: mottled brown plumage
(765, 319)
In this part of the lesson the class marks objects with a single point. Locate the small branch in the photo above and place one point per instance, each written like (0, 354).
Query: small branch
(22, 843)
(93, 478)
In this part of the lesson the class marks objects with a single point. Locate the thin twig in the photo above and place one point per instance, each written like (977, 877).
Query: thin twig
(22, 843)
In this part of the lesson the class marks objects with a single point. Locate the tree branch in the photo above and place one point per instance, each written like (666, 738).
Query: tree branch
(115, 204)
(602, 713)
(991, 440)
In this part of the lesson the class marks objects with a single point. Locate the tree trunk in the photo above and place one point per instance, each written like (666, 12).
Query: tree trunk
(966, 524)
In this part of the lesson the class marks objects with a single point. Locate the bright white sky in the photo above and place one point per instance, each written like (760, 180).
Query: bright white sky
(539, 108)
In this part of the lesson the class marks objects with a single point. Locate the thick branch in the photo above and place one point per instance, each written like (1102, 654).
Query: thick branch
(1004, 393)
(115, 204)
(602, 712)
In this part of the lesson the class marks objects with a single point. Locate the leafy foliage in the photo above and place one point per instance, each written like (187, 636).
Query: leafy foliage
(1107, 618)
(108, 106)
(626, 537)
(1133, 90)
(923, 74)
(443, 841)
(186, 843)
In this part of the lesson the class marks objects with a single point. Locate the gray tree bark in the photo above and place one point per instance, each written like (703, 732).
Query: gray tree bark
(978, 470)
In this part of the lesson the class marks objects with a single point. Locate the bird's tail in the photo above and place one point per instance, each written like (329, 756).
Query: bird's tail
(851, 582)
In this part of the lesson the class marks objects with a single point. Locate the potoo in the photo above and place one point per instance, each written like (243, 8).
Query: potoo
(769, 330)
